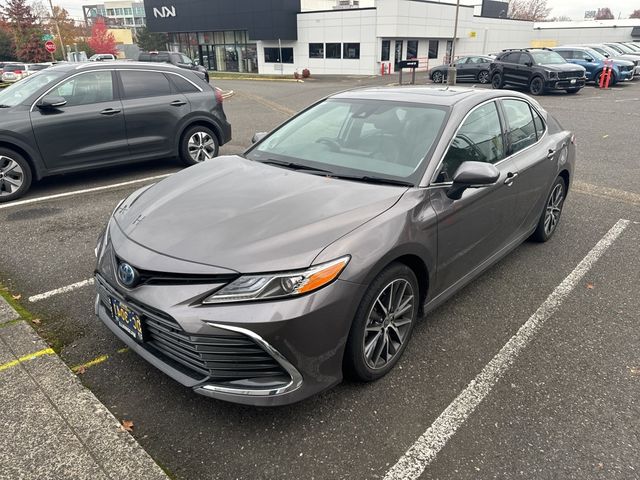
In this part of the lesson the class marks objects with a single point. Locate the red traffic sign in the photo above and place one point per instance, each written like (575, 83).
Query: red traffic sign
(50, 46)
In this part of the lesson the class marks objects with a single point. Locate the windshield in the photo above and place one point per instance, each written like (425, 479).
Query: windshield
(372, 138)
(633, 46)
(21, 91)
(616, 48)
(547, 58)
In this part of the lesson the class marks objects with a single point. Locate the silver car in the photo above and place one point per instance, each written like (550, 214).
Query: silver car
(264, 278)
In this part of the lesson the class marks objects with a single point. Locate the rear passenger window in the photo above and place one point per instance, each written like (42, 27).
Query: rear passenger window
(479, 139)
(520, 127)
(138, 84)
(182, 84)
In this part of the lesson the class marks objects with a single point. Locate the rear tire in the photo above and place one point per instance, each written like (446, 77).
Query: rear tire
(550, 216)
(198, 144)
(437, 77)
(383, 324)
(15, 175)
(483, 77)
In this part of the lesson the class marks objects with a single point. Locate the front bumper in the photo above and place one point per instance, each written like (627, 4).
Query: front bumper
(299, 342)
(564, 84)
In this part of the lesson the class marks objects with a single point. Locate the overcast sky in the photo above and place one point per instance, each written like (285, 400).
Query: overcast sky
(572, 8)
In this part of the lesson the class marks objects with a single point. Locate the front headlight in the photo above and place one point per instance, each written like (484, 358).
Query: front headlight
(279, 285)
(553, 75)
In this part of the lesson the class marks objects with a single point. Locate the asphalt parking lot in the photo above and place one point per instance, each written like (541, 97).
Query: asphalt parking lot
(561, 402)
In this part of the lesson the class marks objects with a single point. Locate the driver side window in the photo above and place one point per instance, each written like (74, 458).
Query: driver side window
(86, 88)
(479, 139)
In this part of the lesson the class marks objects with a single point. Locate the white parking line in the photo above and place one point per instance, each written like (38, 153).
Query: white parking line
(80, 192)
(57, 291)
(413, 463)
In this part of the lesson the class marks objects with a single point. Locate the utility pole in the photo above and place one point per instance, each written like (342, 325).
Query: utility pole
(55, 20)
(451, 72)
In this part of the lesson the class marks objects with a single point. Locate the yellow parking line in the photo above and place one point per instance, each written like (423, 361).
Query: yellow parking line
(31, 356)
(90, 363)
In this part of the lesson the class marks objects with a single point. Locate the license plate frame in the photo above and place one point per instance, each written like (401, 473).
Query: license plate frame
(127, 319)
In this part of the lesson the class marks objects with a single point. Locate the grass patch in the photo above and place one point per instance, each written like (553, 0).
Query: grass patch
(23, 312)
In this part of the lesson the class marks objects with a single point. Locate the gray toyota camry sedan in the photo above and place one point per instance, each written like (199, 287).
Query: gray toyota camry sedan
(265, 278)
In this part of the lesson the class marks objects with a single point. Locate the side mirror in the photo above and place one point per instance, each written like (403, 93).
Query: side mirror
(472, 175)
(50, 102)
(529, 64)
(589, 59)
(258, 136)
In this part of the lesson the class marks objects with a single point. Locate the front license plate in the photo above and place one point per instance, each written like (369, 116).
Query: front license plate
(127, 319)
(573, 80)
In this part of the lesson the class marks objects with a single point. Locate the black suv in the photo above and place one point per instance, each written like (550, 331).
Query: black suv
(174, 58)
(538, 69)
(74, 117)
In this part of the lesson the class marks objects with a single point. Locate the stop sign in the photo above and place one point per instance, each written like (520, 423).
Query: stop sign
(50, 46)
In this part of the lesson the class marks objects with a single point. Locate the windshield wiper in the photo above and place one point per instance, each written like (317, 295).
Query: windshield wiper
(379, 180)
(2, 105)
(295, 166)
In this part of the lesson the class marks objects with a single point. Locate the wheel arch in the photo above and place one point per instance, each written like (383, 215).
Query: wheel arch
(36, 170)
(198, 121)
(566, 176)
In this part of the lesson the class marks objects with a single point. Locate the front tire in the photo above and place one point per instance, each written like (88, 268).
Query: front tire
(198, 144)
(536, 87)
(15, 175)
(383, 323)
(496, 81)
(550, 216)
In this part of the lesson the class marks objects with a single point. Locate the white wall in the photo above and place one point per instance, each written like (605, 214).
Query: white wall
(551, 37)
(492, 35)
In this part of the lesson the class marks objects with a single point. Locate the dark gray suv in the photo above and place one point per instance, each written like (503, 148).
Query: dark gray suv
(74, 117)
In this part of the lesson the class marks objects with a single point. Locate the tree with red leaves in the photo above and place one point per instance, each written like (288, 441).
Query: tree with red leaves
(102, 40)
(32, 50)
(604, 14)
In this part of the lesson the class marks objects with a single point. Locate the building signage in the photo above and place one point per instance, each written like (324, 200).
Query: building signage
(164, 12)
(408, 64)
(261, 19)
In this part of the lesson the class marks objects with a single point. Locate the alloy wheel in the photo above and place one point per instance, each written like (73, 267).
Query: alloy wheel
(554, 209)
(389, 323)
(437, 77)
(201, 147)
(11, 176)
(536, 86)
(483, 77)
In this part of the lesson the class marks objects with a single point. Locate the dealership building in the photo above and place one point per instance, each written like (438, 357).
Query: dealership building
(351, 37)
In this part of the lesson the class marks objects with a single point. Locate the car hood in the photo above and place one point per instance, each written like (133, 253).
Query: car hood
(249, 217)
(622, 63)
(563, 67)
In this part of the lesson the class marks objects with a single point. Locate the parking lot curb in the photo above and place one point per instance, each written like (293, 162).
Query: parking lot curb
(7, 312)
(54, 427)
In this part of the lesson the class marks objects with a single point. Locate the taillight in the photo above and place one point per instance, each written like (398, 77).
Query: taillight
(18, 72)
(218, 94)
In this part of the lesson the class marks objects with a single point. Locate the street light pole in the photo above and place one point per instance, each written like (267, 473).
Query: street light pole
(451, 72)
(55, 20)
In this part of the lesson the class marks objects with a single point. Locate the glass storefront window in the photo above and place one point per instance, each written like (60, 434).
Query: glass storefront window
(221, 51)
(229, 38)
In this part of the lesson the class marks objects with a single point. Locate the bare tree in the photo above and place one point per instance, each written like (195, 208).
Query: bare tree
(534, 10)
(604, 14)
(635, 14)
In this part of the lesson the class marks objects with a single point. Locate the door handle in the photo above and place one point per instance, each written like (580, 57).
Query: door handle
(109, 111)
(510, 178)
(551, 153)
(177, 103)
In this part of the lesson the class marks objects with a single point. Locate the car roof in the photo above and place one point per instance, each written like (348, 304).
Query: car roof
(443, 96)
(116, 63)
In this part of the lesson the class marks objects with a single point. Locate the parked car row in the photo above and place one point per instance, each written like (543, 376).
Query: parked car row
(539, 70)
(14, 71)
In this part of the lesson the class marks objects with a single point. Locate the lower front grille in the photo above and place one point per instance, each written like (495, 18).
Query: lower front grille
(221, 357)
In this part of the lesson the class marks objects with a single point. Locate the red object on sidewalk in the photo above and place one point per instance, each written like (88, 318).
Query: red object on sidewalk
(605, 76)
